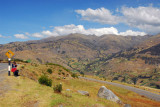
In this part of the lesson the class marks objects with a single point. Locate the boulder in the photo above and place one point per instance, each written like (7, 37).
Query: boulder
(127, 105)
(68, 93)
(83, 92)
(108, 94)
(68, 90)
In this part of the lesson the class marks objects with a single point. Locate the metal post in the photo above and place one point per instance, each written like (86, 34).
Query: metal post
(9, 66)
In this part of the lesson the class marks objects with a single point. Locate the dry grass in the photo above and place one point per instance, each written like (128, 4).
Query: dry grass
(29, 93)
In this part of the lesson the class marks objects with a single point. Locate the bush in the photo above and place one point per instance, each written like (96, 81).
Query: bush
(59, 73)
(58, 78)
(82, 73)
(45, 80)
(74, 75)
(22, 66)
(58, 88)
(49, 71)
(134, 79)
(63, 73)
(60, 70)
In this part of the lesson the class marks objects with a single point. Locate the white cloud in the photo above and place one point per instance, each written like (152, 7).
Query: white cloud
(37, 35)
(132, 33)
(28, 34)
(47, 32)
(21, 36)
(100, 15)
(143, 18)
(102, 31)
(68, 29)
(1, 36)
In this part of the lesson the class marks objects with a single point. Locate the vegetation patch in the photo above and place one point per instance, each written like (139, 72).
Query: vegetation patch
(74, 75)
(59, 66)
(49, 71)
(45, 80)
(57, 88)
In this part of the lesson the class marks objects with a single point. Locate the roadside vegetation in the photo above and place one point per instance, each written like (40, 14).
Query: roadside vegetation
(26, 90)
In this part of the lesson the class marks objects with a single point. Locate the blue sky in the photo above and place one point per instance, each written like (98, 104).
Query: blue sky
(22, 20)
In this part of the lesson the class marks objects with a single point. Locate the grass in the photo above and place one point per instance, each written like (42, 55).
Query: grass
(28, 92)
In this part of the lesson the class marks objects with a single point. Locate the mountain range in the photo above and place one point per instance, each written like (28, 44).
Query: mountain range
(79, 46)
(131, 59)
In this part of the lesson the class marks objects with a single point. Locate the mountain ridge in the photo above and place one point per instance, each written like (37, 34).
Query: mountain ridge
(109, 55)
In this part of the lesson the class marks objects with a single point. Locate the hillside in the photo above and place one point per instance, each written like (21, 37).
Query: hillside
(131, 59)
(137, 65)
(70, 49)
(25, 90)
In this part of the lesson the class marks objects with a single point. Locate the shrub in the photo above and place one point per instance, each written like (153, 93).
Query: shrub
(104, 78)
(82, 73)
(63, 73)
(59, 73)
(58, 78)
(134, 79)
(49, 71)
(74, 75)
(60, 70)
(58, 88)
(28, 61)
(22, 66)
(45, 80)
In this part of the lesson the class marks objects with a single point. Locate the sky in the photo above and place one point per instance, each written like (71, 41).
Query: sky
(23, 20)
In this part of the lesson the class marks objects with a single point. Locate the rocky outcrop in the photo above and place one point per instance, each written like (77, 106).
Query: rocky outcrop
(108, 94)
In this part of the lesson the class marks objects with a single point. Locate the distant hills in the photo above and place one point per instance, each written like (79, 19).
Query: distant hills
(79, 46)
(132, 59)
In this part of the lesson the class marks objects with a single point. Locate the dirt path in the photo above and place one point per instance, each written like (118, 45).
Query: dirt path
(4, 85)
(147, 94)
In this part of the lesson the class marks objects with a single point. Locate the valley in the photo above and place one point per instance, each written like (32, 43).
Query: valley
(128, 59)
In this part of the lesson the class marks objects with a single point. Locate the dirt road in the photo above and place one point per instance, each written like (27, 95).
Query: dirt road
(4, 86)
(147, 94)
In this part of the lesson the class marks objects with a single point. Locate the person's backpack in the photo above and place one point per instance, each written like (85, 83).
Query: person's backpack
(14, 69)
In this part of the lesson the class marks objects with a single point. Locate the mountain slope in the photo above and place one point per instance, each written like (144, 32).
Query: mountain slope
(137, 65)
(71, 48)
(130, 59)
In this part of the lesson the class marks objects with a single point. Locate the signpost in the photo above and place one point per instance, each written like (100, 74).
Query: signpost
(9, 54)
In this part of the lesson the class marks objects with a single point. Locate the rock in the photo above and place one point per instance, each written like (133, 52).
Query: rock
(98, 105)
(68, 93)
(127, 105)
(108, 94)
(83, 92)
(60, 106)
(68, 90)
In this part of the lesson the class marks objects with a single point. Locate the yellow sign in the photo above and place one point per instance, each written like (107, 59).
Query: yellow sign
(9, 54)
